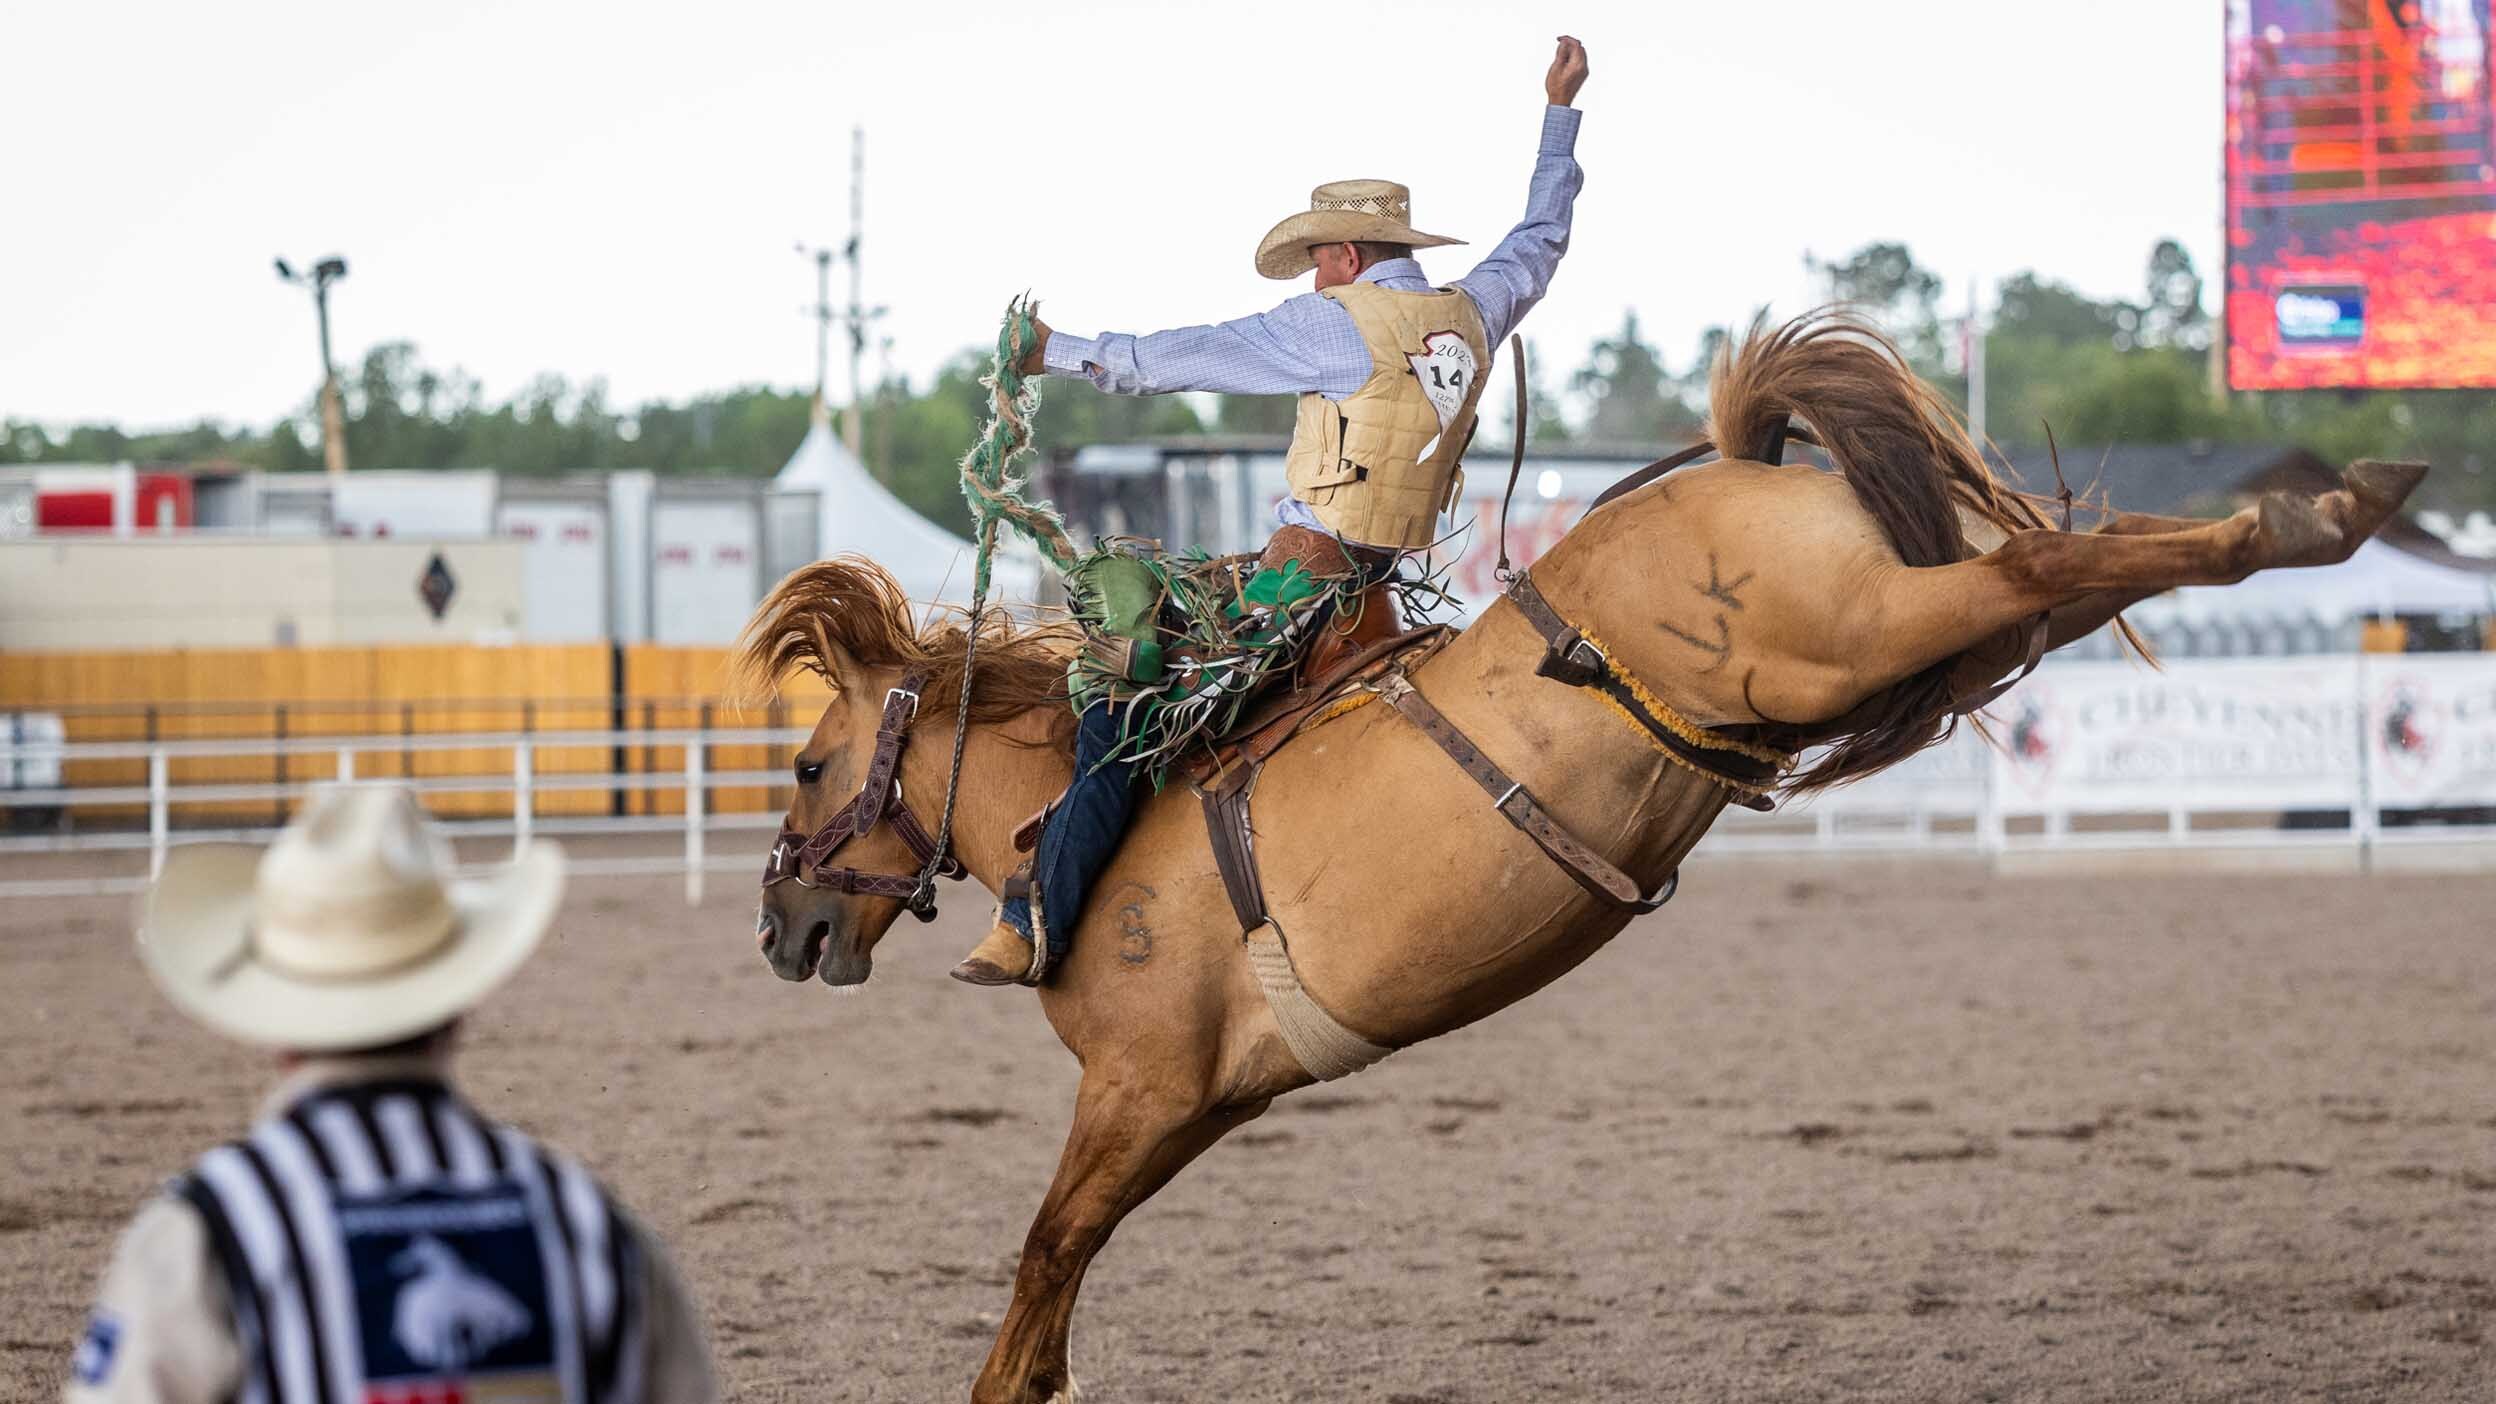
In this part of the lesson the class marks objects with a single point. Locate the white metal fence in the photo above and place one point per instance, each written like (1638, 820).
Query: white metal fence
(164, 800)
(2349, 750)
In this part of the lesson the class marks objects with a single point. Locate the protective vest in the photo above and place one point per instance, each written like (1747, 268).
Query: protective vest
(1379, 466)
(383, 1242)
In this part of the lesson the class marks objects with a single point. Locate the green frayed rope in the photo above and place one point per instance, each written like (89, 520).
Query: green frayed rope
(990, 483)
(995, 495)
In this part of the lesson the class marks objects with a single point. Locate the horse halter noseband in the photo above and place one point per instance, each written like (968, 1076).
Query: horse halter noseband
(806, 859)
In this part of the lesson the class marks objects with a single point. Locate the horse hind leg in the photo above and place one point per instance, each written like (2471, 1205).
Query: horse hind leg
(2346, 517)
(1920, 616)
(2153, 553)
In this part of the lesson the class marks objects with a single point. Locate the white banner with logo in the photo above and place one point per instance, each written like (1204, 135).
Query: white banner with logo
(2214, 734)
(2431, 729)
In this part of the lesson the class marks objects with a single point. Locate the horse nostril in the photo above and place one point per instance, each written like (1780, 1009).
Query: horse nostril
(766, 930)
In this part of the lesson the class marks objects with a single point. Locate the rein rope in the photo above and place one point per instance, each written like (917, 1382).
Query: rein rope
(1504, 572)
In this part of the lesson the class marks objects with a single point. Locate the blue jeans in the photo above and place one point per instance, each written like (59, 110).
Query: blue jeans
(1084, 830)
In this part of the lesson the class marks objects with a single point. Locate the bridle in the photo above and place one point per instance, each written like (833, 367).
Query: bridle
(806, 859)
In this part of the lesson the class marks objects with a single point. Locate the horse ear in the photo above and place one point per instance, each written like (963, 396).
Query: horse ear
(841, 669)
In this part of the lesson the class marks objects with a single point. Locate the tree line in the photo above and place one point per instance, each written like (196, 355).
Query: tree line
(2099, 371)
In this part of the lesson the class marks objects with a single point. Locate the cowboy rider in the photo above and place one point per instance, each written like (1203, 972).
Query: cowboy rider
(1388, 368)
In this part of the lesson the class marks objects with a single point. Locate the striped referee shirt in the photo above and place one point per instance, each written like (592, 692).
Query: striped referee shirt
(373, 1240)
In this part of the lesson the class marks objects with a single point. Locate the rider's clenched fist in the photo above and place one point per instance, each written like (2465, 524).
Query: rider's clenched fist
(1568, 73)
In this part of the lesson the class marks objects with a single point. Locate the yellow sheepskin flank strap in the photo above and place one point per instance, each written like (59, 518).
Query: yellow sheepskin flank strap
(1339, 707)
(1683, 727)
(1326, 1048)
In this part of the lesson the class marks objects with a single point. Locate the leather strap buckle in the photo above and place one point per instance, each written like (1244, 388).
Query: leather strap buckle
(911, 693)
(1573, 659)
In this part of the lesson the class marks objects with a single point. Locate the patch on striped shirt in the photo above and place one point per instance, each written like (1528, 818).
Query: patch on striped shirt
(451, 1296)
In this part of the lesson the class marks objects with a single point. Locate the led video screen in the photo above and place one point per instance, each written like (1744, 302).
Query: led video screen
(2361, 195)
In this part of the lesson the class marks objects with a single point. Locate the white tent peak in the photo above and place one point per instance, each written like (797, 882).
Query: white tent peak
(856, 514)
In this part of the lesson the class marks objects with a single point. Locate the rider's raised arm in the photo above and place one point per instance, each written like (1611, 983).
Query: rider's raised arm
(1305, 344)
(1514, 277)
(1508, 283)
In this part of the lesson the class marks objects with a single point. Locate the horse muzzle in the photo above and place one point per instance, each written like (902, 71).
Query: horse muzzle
(803, 944)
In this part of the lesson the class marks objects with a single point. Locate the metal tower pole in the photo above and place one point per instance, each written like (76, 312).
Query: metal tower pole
(851, 430)
(822, 313)
(1976, 366)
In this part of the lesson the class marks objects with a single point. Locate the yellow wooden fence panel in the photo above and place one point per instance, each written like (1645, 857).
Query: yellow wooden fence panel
(411, 690)
(418, 690)
(669, 687)
(533, 688)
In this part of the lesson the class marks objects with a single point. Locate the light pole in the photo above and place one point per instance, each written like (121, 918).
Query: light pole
(856, 315)
(823, 314)
(333, 416)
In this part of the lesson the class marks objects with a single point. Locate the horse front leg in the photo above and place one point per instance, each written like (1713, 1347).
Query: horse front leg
(1126, 1143)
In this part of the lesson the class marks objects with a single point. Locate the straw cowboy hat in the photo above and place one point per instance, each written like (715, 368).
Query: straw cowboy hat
(1343, 211)
(348, 932)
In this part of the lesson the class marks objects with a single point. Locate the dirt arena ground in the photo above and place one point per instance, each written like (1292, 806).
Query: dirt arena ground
(1813, 1132)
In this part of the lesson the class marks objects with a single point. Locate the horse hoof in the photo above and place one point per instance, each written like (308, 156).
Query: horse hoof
(2382, 487)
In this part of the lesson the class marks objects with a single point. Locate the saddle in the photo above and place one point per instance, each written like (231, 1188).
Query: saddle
(1340, 666)
(1348, 650)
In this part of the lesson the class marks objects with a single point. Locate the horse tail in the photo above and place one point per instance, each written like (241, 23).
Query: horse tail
(1894, 439)
(1901, 447)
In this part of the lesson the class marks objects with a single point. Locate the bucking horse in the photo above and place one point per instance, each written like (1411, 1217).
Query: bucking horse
(1734, 629)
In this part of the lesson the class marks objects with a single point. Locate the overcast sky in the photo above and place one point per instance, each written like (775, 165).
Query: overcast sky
(614, 190)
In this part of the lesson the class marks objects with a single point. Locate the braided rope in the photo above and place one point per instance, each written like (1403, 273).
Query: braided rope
(995, 494)
(990, 483)
(923, 897)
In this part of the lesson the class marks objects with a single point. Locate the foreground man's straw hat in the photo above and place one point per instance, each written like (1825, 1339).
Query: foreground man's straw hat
(1343, 211)
(350, 931)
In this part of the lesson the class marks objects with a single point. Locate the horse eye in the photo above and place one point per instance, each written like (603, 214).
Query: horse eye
(809, 774)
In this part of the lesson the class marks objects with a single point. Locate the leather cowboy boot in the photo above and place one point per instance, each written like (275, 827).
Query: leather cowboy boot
(1005, 956)
(1002, 958)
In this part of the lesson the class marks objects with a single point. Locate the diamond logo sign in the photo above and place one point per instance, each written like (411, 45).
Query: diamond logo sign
(435, 587)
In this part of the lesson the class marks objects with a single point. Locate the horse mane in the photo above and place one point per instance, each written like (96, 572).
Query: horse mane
(1912, 465)
(850, 605)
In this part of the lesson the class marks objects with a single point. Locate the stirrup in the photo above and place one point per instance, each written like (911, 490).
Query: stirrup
(1040, 962)
(1019, 884)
